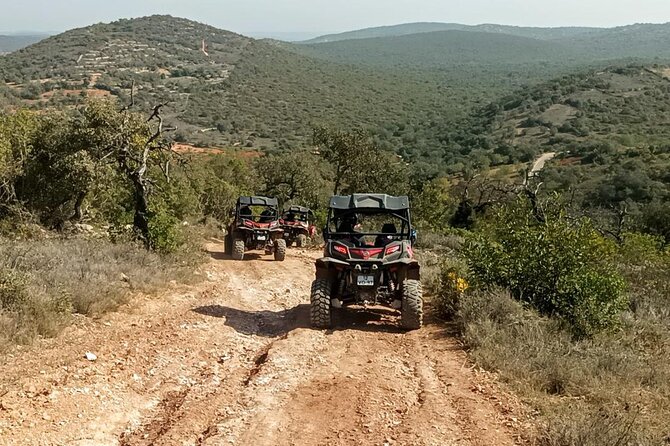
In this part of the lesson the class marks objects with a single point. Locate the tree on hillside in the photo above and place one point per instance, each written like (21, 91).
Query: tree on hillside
(51, 162)
(359, 165)
(138, 151)
(16, 133)
(296, 177)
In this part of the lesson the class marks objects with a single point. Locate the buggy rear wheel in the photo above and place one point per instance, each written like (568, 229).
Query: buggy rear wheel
(238, 249)
(320, 311)
(412, 305)
(228, 244)
(280, 249)
(301, 241)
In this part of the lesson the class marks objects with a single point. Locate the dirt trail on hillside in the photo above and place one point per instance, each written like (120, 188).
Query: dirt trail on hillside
(539, 163)
(232, 361)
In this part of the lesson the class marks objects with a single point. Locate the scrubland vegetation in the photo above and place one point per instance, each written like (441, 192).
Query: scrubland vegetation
(573, 321)
(557, 280)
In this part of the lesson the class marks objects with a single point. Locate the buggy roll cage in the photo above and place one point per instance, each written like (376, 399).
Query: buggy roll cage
(303, 212)
(268, 202)
(342, 207)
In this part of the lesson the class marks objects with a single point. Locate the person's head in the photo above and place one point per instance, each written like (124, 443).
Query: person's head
(348, 223)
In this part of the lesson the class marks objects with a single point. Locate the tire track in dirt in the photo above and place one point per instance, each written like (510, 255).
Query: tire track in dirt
(233, 361)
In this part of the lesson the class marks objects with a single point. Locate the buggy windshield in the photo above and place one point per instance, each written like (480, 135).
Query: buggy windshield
(296, 216)
(259, 214)
(369, 227)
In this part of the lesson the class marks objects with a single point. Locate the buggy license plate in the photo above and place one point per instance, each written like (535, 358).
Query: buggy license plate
(261, 237)
(365, 280)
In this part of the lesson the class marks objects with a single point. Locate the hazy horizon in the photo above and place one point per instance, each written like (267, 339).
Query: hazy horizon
(269, 18)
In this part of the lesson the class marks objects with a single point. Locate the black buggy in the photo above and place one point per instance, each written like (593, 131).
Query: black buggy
(255, 226)
(368, 259)
(296, 224)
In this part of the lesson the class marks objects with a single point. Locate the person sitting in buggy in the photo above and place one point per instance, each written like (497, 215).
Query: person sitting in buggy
(347, 227)
(246, 212)
(383, 240)
(267, 216)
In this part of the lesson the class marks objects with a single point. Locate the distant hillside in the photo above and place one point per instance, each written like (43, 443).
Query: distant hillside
(610, 110)
(440, 49)
(640, 41)
(412, 92)
(13, 43)
(238, 91)
(542, 53)
(427, 27)
(623, 106)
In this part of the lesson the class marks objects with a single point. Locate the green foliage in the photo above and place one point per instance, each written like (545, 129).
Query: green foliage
(451, 286)
(645, 264)
(164, 231)
(13, 293)
(298, 177)
(655, 220)
(561, 268)
(359, 165)
(219, 180)
(433, 206)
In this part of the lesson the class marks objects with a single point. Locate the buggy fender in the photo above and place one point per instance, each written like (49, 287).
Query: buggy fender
(325, 267)
(408, 268)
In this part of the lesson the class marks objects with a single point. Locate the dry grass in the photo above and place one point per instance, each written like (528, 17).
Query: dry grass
(610, 389)
(613, 389)
(42, 282)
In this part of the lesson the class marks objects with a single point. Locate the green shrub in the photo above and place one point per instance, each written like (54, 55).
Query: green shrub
(645, 264)
(13, 293)
(164, 232)
(452, 283)
(562, 268)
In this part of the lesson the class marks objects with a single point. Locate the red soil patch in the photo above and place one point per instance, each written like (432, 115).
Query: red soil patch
(570, 161)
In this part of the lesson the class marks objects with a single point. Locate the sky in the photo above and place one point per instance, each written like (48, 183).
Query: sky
(268, 17)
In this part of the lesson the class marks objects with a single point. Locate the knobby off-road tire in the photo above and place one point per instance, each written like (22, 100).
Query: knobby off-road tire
(238, 249)
(228, 244)
(301, 241)
(280, 249)
(320, 311)
(412, 305)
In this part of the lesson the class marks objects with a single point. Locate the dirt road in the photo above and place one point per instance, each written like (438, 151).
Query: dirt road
(232, 361)
(538, 165)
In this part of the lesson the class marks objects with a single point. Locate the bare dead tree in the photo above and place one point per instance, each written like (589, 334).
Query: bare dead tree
(531, 191)
(134, 164)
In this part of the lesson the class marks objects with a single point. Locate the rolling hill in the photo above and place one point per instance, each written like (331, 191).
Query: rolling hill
(610, 129)
(624, 106)
(441, 49)
(427, 27)
(13, 43)
(416, 93)
(502, 46)
(238, 91)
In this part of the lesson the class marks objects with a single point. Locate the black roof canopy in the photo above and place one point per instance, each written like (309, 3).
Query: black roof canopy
(257, 201)
(370, 201)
